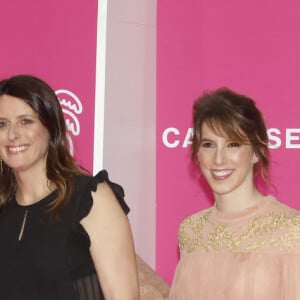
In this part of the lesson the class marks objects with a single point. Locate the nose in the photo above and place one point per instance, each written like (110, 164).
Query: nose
(220, 156)
(13, 132)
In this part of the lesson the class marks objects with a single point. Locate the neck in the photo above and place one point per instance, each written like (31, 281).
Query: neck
(32, 187)
(238, 201)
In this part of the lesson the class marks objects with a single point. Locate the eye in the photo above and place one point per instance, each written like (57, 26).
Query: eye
(26, 121)
(207, 145)
(234, 144)
(3, 124)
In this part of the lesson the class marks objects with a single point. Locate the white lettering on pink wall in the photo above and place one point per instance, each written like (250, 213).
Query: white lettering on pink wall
(172, 138)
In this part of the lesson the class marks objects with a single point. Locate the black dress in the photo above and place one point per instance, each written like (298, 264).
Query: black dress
(42, 258)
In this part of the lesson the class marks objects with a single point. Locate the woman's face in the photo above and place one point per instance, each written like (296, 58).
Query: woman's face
(226, 164)
(23, 138)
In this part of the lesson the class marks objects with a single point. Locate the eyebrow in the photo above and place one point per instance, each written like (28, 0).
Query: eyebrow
(206, 140)
(21, 116)
(27, 115)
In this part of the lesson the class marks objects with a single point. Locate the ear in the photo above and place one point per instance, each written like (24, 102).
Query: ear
(255, 159)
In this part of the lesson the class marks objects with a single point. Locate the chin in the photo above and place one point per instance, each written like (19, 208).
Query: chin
(221, 192)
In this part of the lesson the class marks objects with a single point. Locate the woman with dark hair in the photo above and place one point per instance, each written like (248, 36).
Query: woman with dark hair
(247, 245)
(64, 234)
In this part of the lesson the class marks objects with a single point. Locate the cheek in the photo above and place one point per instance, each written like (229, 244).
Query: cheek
(202, 161)
(2, 137)
(242, 157)
(3, 140)
(41, 133)
(41, 136)
(244, 160)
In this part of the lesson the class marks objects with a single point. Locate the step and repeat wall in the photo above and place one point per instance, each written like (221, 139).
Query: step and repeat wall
(251, 47)
(56, 41)
(90, 53)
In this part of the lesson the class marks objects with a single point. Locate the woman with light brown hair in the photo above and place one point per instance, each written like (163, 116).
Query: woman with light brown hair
(247, 245)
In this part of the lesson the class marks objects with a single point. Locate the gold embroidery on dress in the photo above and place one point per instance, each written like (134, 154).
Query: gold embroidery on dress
(275, 229)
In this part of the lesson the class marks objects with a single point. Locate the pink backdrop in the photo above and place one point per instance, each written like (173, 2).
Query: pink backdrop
(56, 40)
(249, 46)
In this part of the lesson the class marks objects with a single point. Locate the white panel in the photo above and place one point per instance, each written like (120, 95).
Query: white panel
(100, 85)
(130, 113)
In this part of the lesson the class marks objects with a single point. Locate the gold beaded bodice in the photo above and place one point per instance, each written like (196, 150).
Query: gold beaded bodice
(269, 226)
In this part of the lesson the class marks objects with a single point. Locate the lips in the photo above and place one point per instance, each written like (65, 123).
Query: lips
(17, 149)
(221, 174)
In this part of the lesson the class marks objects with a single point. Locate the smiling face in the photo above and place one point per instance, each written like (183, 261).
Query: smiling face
(23, 138)
(227, 165)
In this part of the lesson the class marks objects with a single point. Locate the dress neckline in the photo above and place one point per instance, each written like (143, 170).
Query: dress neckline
(247, 212)
(48, 198)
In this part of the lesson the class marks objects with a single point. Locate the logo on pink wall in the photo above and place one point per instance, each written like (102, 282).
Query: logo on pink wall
(288, 138)
(72, 108)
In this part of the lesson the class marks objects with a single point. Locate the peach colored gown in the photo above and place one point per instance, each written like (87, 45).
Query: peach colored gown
(250, 255)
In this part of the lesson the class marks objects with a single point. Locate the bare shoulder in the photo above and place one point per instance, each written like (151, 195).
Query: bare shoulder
(104, 193)
(105, 209)
(112, 247)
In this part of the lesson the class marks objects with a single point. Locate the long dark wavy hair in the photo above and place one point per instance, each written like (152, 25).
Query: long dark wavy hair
(60, 165)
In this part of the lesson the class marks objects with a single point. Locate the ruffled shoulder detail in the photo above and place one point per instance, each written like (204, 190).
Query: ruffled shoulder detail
(84, 185)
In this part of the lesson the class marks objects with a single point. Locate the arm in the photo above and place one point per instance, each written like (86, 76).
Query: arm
(112, 247)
